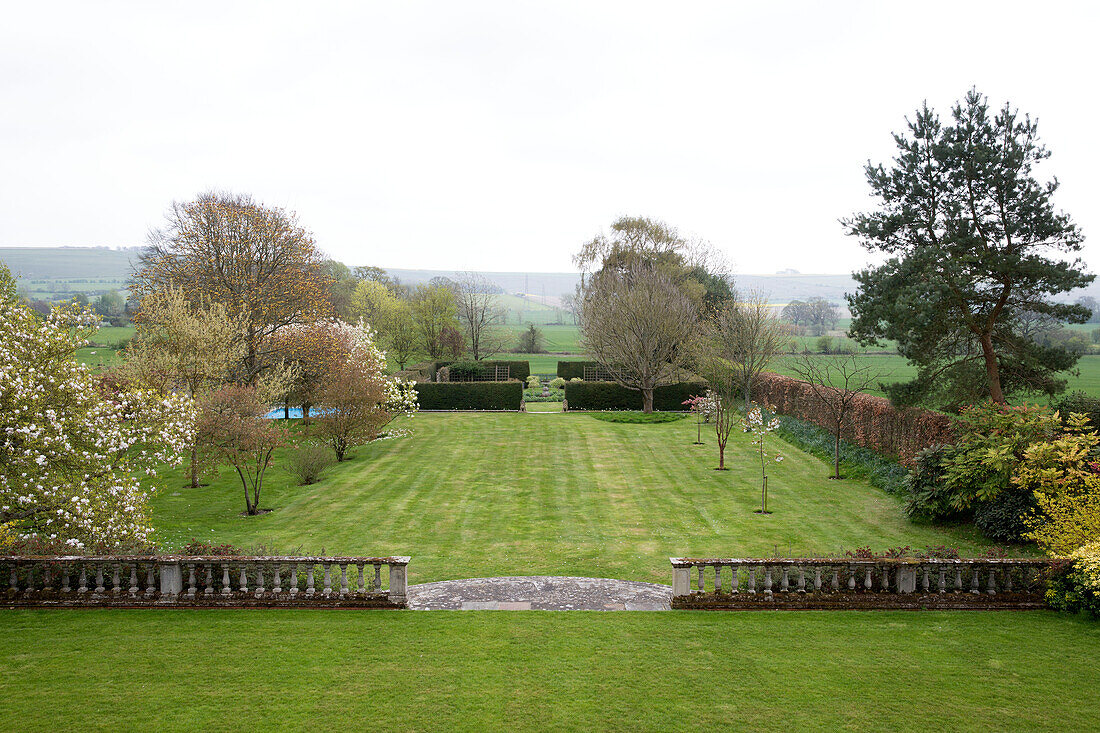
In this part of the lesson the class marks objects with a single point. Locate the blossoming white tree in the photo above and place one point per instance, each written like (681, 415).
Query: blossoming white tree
(71, 449)
(760, 427)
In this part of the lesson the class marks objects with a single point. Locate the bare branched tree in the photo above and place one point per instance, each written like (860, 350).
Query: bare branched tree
(639, 324)
(836, 381)
(747, 334)
(480, 314)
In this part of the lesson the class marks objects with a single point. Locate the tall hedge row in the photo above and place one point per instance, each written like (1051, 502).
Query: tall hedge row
(518, 369)
(469, 395)
(569, 369)
(611, 396)
(872, 422)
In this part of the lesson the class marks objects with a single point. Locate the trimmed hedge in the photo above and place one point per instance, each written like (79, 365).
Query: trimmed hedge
(470, 395)
(611, 396)
(573, 369)
(518, 369)
(872, 423)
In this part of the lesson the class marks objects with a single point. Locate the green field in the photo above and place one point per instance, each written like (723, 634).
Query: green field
(482, 494)
(894, 368)
(578, 671)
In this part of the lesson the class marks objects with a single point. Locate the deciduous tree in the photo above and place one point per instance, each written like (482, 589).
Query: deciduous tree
(480, 314)
(836, 383)
(256, 261)
(639, 323)
(359, 398)
(233, 430)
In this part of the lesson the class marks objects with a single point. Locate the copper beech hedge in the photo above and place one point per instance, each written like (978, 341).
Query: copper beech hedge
(872, 422)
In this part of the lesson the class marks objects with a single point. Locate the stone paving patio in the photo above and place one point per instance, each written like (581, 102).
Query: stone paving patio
(539, 593)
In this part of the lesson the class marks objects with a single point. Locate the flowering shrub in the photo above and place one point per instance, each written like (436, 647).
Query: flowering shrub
(871, 423)
(307, 462)
(358, 398)
(71, 449)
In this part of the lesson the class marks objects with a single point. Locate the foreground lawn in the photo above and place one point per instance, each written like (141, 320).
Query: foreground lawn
(403, 671)
(483, 494)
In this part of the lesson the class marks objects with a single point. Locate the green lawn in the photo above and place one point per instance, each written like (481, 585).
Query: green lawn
(482, 494)
(456, 670)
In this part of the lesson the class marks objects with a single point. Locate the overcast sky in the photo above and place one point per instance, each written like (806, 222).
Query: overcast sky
(501, 136)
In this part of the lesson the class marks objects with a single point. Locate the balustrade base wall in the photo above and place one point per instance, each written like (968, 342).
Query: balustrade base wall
(284, 600)
(858, 601)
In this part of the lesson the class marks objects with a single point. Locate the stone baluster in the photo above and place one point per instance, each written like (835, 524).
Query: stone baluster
(958, 578)
(924, 578)
(378, 577)
(243, 580)
(702, 585)
(278, 587)
(227, 584)
(991, 586)
(717, 578)
(886, 579)
(767, 580)
(1008, 579)
(974, 579)
(150, 581)
(851, 577)
(208, 586)
(309, 579)
(343, 579)
(14, 581)
(867, 579)
(30, 581)
(65, 570)
(785, 579)
(116, 579)
(293, 579)
(360, 581)
(328, 579)
(191, 587)
(801, 579)
(817, 578)
(942, 586)
(751, 586)
(735, 587)
(133, 580)
(259, 580)
(83, 587)
(99, 588)
(834, 582)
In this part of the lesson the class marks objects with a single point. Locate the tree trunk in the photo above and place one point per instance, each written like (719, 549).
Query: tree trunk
(991, 369)
(305, 413)
(836, 454)
(722, 456)
(194, 466)
(647, 400)
(748, 395)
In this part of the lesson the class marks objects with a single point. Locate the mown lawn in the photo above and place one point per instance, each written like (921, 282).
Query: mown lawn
(458, 670)
(482, 494)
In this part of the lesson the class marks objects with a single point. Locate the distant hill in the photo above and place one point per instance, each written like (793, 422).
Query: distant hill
(67, 263)
(71, 267)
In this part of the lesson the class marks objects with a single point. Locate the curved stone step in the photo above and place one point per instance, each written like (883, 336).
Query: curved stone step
(539, 593)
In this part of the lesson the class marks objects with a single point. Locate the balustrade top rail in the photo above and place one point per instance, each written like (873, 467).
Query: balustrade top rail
(316, 559)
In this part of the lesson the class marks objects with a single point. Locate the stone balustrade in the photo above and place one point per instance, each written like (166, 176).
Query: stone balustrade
(856, 583)
(178, 581)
